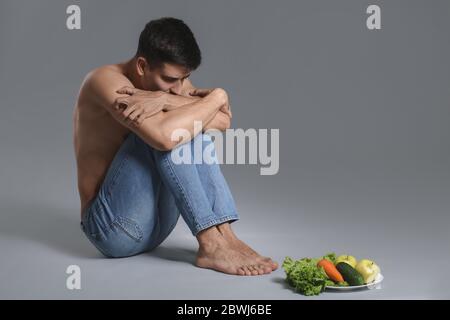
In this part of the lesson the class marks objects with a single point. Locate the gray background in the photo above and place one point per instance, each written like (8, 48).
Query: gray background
(364, 143)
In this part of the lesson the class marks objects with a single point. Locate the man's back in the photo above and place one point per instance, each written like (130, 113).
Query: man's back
(97, 135)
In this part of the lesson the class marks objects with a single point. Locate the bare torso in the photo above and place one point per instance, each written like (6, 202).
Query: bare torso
(97, 137)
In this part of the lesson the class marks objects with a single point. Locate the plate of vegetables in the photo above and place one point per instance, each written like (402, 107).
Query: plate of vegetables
(311, 276)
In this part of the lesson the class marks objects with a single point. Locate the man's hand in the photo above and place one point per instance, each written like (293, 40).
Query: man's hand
(204, 92)
(186, 88)
(139, 105)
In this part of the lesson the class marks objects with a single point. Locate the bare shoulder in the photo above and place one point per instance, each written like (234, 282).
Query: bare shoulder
(107, 74)
(101, 83)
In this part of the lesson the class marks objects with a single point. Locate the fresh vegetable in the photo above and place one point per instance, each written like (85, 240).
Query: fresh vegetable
(350, 274)
(305, 276)
(351, 260)
(310, 276)
(330, 256)
(339, 284)
(330, 270)
(368, 269)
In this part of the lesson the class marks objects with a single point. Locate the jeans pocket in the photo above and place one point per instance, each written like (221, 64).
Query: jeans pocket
(129, 227)
(122, 238)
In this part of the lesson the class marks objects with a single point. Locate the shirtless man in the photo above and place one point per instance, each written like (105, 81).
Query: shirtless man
(131, 192)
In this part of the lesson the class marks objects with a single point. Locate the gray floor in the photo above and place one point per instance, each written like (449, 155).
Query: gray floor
(364, 143)
(401, 224)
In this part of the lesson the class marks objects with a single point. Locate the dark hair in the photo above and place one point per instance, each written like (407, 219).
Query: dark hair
(169, 40)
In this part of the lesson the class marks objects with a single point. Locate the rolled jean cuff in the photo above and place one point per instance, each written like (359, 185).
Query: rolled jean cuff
(215, 221)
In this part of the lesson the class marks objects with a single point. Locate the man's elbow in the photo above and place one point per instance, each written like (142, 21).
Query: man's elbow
(166, 142)
(159, 141)
(225, 123)
(162, 146)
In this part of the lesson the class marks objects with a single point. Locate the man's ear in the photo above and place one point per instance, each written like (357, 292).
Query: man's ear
(141, 64)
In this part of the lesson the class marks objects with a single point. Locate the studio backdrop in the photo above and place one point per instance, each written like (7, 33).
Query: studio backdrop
(356, 159)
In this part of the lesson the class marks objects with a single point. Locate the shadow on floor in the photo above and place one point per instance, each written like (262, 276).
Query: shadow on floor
(44, 223)
(177, 254)
(59, 229)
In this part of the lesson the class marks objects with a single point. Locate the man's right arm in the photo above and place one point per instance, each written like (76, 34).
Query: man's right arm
(157, 129)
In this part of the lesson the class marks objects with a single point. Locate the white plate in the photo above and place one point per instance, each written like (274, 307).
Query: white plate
(372, 285)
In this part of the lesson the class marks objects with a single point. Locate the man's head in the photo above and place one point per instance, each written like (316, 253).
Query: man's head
(166, 55)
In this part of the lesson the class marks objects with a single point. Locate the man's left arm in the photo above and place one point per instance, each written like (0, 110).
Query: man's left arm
(221, 120)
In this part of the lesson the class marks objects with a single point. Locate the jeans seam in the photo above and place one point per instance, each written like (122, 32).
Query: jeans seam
(177, 182)
(116, 174)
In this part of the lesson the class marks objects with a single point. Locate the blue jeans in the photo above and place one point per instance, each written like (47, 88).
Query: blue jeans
(145, 191)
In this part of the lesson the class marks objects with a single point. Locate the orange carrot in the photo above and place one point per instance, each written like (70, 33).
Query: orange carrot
(330, 270)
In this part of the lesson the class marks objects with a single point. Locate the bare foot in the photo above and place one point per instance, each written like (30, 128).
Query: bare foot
(227, 232)
(217, 254)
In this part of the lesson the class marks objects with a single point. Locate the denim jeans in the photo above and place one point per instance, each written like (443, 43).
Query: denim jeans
(145, 191)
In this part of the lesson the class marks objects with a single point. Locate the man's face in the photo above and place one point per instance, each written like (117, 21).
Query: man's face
(167, 77)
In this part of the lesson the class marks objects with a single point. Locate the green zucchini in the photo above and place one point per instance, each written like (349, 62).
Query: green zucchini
(351, 276)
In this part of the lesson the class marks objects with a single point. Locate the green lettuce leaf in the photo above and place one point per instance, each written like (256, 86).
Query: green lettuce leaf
(331, 257)
(305, 276)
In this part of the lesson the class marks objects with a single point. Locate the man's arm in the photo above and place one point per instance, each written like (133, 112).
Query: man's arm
(221, 120)
(157, 129)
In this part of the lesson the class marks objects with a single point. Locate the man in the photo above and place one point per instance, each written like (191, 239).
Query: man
(131, 190)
